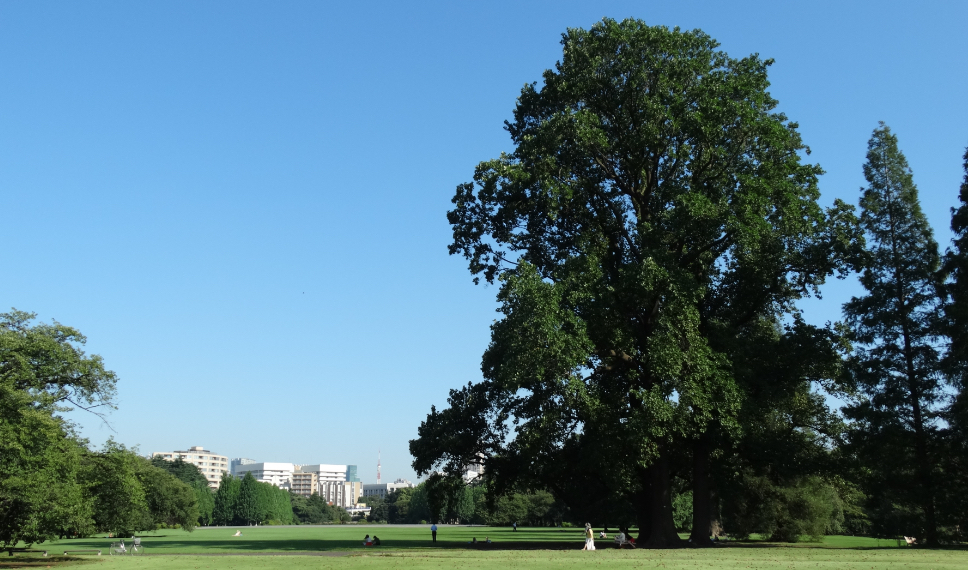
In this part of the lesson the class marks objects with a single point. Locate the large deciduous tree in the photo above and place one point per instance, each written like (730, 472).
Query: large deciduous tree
(44, 372)
(654, 203)
(193, 477)
(897, 328)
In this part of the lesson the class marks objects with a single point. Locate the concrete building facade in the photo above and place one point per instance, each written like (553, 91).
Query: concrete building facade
(278, 474)
(328, 472)
(210, 464)
(344, 494)
(240, 461)
(304, 484)
(383, 489)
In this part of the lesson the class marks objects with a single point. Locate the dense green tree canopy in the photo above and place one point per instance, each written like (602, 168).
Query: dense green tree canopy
(46, 360)
(654, 202)
(43, 371)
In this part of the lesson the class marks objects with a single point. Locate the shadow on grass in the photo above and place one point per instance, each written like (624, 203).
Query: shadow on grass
(35, 560)
(161, 547)
(822, 546)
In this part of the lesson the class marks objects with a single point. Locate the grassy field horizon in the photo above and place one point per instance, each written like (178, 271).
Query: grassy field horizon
(326, 538)
(410, 548)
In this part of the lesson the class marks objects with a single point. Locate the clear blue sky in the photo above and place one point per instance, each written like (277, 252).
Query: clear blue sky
(243, 204)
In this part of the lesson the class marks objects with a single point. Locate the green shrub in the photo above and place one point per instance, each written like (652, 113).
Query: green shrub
(682, 511)
(806, 509)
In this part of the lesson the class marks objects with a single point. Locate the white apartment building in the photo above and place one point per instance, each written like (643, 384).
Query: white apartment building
(336, 484)
(383, 489)
(344, 494)
(330, 473)
(278, 474)
(211, 465)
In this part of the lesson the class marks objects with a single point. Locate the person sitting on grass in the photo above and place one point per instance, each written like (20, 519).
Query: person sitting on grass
(629, 538)
(487, 540)
(623, 540)
(376, 540)
(367, 541)
(473, 541)
(237, 533)
(603, 534)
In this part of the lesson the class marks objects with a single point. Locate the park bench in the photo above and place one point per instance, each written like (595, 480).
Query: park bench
(69, 552)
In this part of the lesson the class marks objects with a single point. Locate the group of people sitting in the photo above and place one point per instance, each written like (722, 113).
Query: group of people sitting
(474, 542)
(375, 541)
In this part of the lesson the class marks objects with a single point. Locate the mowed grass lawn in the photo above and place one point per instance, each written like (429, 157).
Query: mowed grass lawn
(409, 547)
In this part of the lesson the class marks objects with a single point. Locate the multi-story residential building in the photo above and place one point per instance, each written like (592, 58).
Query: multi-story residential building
(211, 465)
(337, 484)
(304, 484)
(326, 472)
(278, 474)
(240, 461)
(344, 494)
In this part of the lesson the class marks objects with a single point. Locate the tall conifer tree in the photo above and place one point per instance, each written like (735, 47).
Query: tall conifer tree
(956, 267)
(247, 507)
(897, 331)
(225, 500)
(956, 270)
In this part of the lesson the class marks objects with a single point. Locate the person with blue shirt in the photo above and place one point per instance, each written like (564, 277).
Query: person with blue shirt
(433, 532)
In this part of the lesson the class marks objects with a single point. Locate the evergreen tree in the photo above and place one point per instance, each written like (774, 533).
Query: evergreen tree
(956, 268)
(896, 365)
(223, 513)
(247, 506)
(955, 466)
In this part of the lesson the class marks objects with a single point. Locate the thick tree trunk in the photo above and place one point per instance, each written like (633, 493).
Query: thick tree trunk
(921, 446)
(643, 505)
(657, 516)
(701, 494)
(924, 473)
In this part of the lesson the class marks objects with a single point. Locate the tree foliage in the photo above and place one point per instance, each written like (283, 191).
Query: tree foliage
(130, 494)
(311, 510)
(954, 467)
(247, 502)
(655, 203)
(223, 513)
(898, 330)
(189, 474)
(43, 371)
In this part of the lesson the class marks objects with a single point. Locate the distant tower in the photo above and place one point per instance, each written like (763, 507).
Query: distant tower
(377, 466)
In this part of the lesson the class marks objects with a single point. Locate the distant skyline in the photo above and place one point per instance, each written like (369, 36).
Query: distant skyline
(242, 204)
